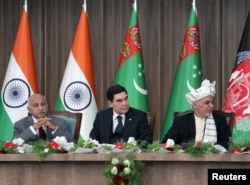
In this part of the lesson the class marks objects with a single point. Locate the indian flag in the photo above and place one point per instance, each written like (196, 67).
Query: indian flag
(20, 79)
(77, 92)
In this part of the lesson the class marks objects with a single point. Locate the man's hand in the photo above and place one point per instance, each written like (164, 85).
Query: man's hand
(44, 122)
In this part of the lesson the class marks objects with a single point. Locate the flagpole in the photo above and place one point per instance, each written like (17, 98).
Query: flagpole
(135, 5)
(25, 6)
(194, 7)
(85, 6)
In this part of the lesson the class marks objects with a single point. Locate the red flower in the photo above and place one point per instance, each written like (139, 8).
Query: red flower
(2, 151)
(164, 145)
(120, 145)
(170, 149)
(10, 144)
(63, 151)
(117, 179)
(236, 151)
(120, 168)
(125, 180)
(53, 145)
(198, 144)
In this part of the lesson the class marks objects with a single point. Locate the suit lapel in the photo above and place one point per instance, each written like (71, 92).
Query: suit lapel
(128, 122)
(30, 121)
(109, 125)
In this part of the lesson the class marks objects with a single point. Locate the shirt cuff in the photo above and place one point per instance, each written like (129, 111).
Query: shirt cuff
(54, 130)
(33, 130)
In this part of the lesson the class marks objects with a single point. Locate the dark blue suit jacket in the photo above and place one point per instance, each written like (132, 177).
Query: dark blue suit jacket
(136, 125)
(183, 130)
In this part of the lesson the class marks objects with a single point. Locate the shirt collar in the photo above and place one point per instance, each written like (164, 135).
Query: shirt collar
(115, 115)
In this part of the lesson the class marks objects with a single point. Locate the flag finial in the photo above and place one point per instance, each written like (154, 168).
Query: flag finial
(25, 6)
(194, 6)
(135, 5)
(84, 5)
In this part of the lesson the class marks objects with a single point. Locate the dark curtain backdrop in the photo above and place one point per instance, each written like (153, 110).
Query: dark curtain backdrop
(162, 27)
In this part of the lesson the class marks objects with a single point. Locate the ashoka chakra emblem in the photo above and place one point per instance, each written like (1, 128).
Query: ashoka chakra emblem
(77, 96)
(16, 93)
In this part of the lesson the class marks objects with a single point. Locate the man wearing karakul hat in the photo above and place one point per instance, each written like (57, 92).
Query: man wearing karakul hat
(202, 124)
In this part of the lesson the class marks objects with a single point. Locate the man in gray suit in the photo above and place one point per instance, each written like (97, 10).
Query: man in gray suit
(37, 126)
(133, 122)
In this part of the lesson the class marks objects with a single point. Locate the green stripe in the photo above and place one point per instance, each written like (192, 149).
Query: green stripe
(59, 104)
(6, 126)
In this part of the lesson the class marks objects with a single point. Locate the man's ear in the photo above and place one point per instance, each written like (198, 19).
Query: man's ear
(195, 105)
(110, 103)
(28, 110)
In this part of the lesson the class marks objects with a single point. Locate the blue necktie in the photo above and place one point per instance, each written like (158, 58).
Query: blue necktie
(119, 128)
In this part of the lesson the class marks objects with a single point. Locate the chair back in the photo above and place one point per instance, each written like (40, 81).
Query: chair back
(151, 120)
(73, 121)
(229, 117)
(182, 113)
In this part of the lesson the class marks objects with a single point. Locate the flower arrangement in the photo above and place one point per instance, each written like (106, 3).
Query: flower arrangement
(7, 147)
(130, 145)
(120, 147)
(84, 146)
(121, 170)
(239, 148)
(12, 146)
(157, 146)
(199, 148)
(43, 148)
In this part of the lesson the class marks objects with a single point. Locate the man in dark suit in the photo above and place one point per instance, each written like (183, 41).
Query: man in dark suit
(37, 126)
(202, 125)
(134, 123)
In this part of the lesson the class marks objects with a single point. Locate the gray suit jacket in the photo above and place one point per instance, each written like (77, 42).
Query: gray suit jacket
(22, 130)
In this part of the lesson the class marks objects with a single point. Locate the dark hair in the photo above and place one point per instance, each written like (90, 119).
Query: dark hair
(115, 89)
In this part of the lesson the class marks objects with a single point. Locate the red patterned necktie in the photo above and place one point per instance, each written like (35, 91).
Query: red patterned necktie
(42, 134)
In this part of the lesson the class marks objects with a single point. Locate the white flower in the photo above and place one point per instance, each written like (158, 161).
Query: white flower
(63, 144)
(127, 170)
(20, 149)
(126, 162)
(18, 141)
(60, 140)
(95, 142)
(114, 170)
(115, 161)
(132, 140)
(170, 143)
(46, 150)
(27, 148)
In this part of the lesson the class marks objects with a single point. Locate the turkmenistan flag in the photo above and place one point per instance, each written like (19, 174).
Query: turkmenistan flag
(77, 92)
(130, 72)
(188, 74)
(20, 79)
(237, 96)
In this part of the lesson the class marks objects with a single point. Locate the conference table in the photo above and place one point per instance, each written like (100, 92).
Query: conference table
(87, 169)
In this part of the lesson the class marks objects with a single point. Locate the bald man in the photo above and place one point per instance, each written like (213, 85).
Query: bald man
(50, 127)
